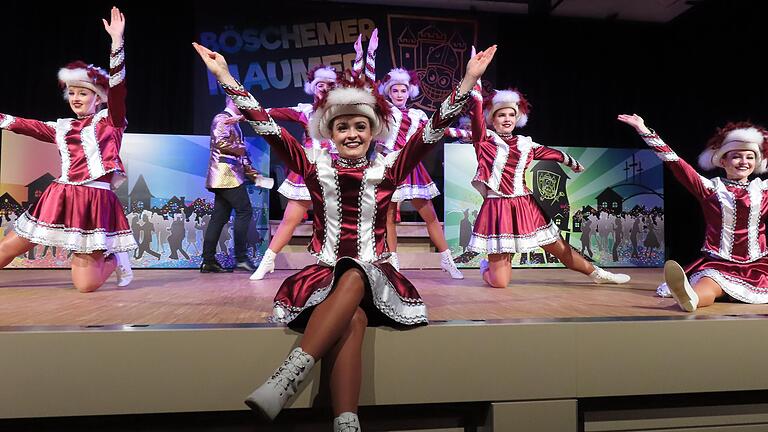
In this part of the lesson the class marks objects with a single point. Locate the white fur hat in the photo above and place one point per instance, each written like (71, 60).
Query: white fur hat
(356, 97)
(317, 74)
(746, 138)
(79, 74)
(400, 76)
(508, 99)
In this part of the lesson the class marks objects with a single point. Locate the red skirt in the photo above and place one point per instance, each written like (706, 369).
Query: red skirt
(294, 188)
(746, 282)
(79, 218)
(511, 225)
(418, 185)
(390, 298)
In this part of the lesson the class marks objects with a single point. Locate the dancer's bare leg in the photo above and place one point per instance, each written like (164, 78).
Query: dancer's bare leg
(392, 227)
(708, 290)
(294, 213)
(427, 212)
(12, 246)
(331, 318)
(499, 270)
(569, 257)
(90, 271)
(343, 363)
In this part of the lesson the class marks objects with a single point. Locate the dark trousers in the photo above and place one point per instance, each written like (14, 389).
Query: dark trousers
(226, 201)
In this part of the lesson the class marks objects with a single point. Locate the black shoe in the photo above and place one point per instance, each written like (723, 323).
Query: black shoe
(246, 265)
(213, 268)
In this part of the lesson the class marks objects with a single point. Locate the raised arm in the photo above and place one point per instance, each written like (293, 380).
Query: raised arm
(117, 90)
(281, 142)
(428, 135)
(291, 114)
(699, 186)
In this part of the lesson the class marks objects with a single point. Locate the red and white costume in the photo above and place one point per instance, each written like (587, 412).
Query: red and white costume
(349, 224)
(418, 184)
(79, 211)
(734, 250)
(293, 187)
(510, 220)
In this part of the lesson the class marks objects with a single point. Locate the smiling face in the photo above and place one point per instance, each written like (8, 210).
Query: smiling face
(83, 101)
(322, 88)
(398, 94)
(504, 120)
(352, 135)
(739, 164)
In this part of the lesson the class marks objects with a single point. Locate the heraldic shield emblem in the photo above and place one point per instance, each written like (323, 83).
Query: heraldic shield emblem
(436, 48)
(548, 184)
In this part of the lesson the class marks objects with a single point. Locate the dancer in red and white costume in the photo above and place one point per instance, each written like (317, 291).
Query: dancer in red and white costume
(510, 220)
(352, 285)
(735, 209)
(399, 86)
(320, 80)
(79, 211)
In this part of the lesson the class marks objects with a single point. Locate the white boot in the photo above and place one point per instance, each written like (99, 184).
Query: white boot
(394, 261)
(679, 286)
(600, 276)
(271, 397)
(447, 264)
(267, 265)
(123, 269)
(346, 422)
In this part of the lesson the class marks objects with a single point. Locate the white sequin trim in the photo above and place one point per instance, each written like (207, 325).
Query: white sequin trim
(366, 242)
(406, 192)
(7, 120)
(734, 286)
(328, 179)
(511, 243)
(117, 78)
(293, 191)
(74, 239)
(385, 298)
(62, 127)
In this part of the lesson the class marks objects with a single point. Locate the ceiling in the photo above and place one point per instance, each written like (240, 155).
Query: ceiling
(659, 11)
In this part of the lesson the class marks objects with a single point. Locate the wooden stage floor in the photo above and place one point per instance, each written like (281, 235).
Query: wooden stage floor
(46, 298)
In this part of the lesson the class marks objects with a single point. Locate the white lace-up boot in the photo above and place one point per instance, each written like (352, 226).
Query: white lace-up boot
(272, 396)
(679, 286)
(123, 269)
(346, 422)
(600, 276)
(447, 264)
(267, 265)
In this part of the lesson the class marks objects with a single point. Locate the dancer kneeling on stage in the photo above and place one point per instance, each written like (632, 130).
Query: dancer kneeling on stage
(352, 286)
(734, 262)
(510, 220)
(79, 211)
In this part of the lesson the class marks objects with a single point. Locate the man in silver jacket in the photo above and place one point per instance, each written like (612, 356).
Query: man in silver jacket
(229, 169)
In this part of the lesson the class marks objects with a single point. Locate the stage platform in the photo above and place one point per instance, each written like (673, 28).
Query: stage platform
(552, 352)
